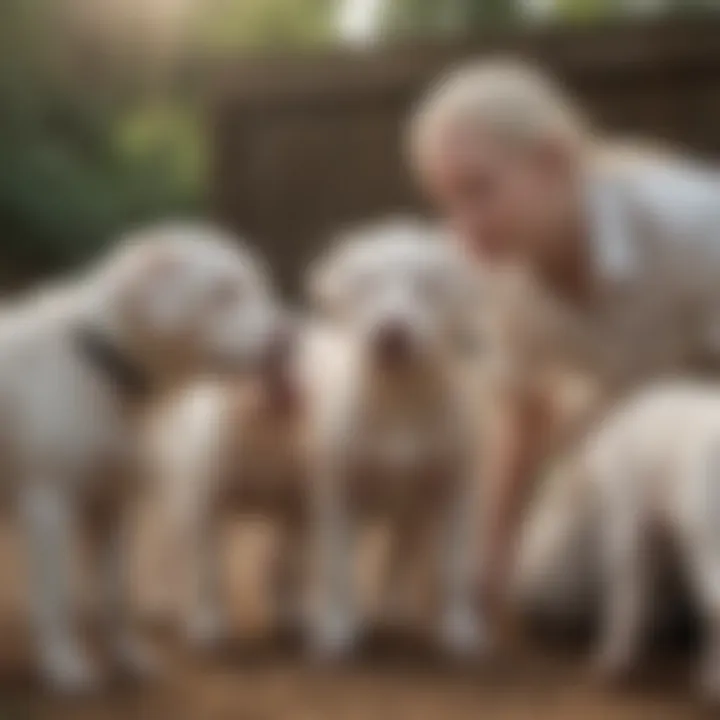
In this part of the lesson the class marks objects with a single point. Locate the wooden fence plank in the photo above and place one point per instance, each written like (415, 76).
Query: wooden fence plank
(306, 144)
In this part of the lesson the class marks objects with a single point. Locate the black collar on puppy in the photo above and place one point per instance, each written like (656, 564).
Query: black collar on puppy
(112, 362)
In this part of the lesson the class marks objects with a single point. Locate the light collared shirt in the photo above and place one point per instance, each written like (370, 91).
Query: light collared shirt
(655, 309)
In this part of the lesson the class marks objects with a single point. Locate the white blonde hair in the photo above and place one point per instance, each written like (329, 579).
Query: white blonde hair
(512, 100)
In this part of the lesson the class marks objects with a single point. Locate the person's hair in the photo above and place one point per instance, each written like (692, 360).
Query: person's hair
(514, 101)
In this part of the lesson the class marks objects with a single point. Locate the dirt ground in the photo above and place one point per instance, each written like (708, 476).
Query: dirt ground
(262, 680)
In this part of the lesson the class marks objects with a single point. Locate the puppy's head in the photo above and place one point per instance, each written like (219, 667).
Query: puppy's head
(191, 299)
(399, 289)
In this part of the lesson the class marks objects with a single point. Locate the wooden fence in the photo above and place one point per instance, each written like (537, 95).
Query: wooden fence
(303, 145)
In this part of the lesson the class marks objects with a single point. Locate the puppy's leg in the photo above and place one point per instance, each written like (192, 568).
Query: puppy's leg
(462, 631)
(48, 511)
(702, 552)
(115, 542)
(206, 624)
(334, 624)
(289, 567)
(706, 572)
(410, 569)
(160, 577)
(626, 576)
(398, 572)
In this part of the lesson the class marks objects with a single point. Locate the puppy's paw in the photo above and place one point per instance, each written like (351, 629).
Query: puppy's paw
(291, 617)
(135, 659)
(68, 670)
(709, 679)
(333, 639)
(612, 665)
(158, 613)
(207, 631)
(463, 636)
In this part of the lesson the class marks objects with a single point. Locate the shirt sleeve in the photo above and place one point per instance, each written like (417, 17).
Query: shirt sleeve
(681, 201)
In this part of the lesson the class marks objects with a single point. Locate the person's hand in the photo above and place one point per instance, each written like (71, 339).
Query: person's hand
(512, 469)
(496, 605)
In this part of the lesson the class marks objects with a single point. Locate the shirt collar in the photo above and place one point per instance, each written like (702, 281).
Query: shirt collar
(614, 251)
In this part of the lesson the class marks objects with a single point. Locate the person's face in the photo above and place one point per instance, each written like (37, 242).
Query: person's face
(506, 203)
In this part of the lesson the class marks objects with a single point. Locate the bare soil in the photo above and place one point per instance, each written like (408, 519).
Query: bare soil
(395, 680)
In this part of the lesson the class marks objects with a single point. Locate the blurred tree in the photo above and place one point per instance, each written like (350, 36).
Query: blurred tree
(88, 148)
(96, 134)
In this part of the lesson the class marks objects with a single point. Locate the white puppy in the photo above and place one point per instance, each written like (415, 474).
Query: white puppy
(223, 450)
(655, 464)
(78, 363)
(392, 420)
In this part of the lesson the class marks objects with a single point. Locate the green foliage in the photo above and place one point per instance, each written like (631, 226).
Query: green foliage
(94, 136)
(586, 10)
(82, 158)
(424, 17)
(164, 140)
(223, 24)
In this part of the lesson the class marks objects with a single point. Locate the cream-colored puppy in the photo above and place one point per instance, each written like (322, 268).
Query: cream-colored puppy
(655, 465)
(224, 450)
(78, 364)
(392, 421)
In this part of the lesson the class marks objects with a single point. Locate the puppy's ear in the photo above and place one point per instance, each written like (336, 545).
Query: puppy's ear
(151, 297)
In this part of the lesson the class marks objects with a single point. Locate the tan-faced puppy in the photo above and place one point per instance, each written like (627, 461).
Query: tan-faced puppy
(78, 364)
(225, 450)
(392, 421)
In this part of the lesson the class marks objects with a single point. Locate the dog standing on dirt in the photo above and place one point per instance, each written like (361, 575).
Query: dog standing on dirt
(79, 363)
(392, 431)
(223, 450)
(655, 466)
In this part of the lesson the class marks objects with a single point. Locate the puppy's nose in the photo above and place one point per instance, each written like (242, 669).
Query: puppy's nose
(392, 342)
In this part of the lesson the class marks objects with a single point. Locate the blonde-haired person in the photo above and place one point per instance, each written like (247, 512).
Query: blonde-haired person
(618, 249)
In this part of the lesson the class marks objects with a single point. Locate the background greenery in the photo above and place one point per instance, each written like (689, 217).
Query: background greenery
(101, 125)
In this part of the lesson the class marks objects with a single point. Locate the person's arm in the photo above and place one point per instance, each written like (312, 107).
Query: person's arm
(513, 459)
(519, 355)
(529, 427)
